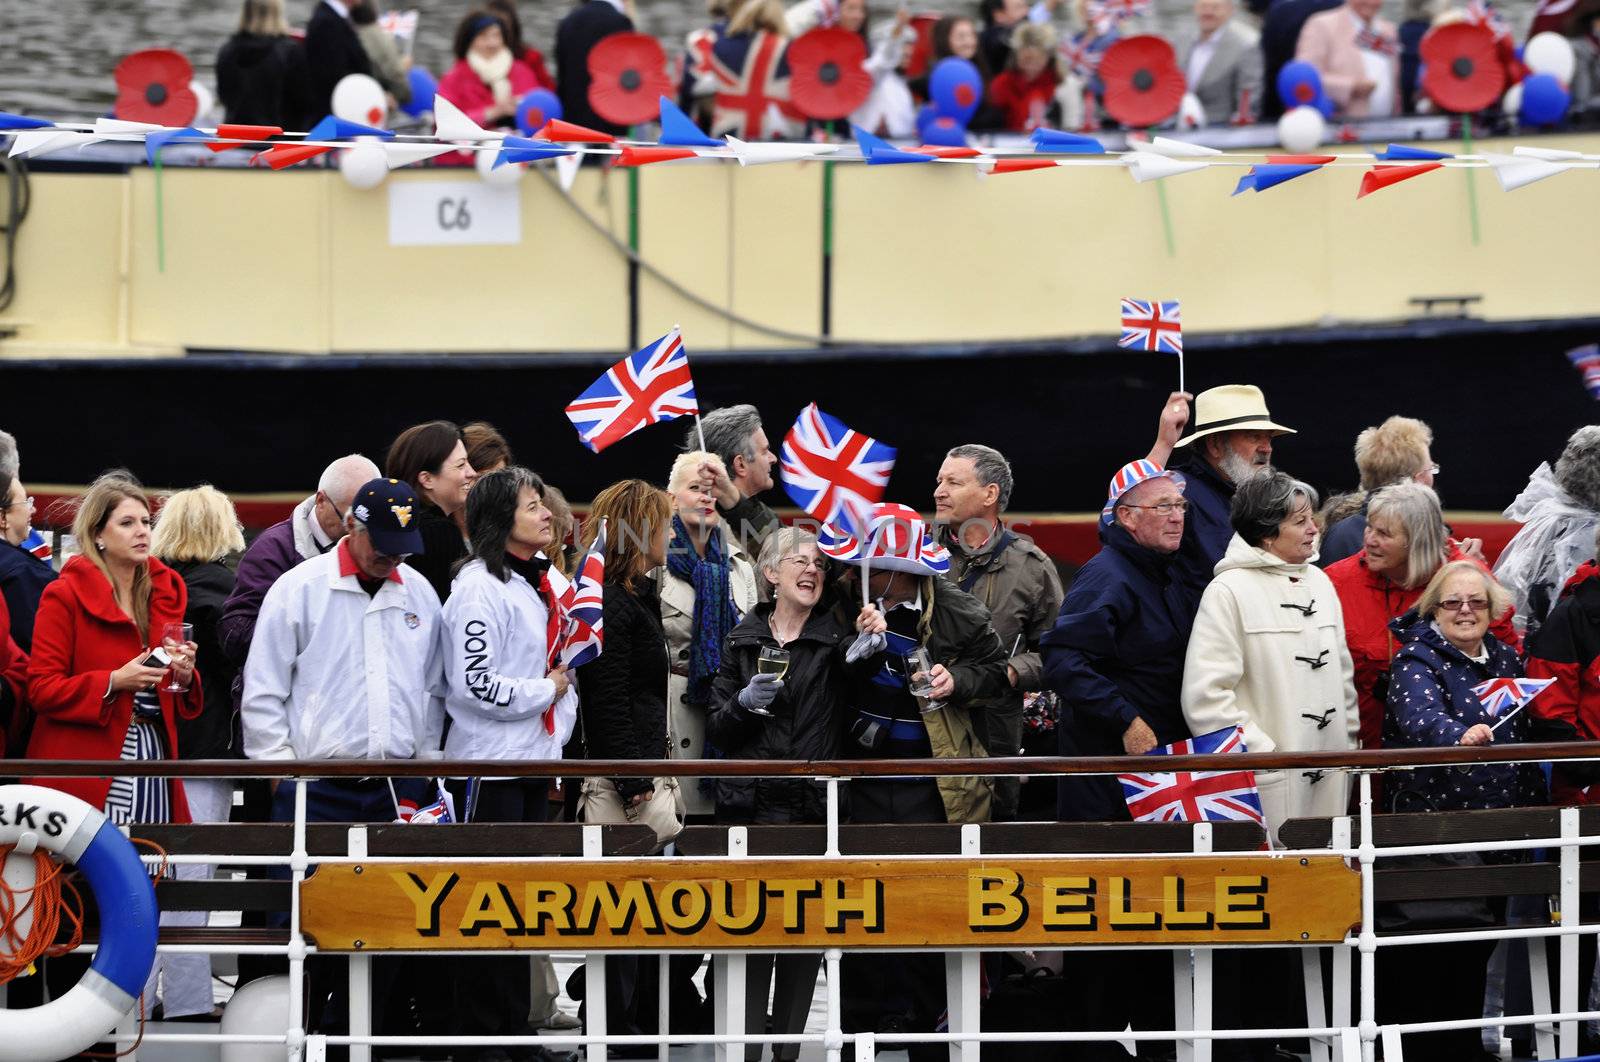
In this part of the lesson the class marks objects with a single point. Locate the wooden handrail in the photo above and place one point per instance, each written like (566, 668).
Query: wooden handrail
(1362, 759)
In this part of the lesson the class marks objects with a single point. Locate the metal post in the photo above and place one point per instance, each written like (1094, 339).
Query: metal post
(1369, 936)
(298, 862)
(360, 968)
(834, 1034)
(833, 816)
(961, 983)
(1343, 954)
(1201, 987)
(1570, 917)
(866, 1047)
(1544, 1033)
(594, 968)
(663, 1002)
(729, 974)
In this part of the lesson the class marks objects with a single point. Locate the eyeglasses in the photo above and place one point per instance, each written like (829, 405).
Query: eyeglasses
(1456, 604)
(8, 506)
(800, 564)
(1432, 470)
(1164, 508)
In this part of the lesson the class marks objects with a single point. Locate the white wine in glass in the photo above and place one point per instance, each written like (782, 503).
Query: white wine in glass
(773, 661)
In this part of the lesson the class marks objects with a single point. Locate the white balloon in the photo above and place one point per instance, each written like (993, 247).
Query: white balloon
(1513, 100)
(258, 1008)
(205, 99)
(1302, 129)
(1550, 53)
(359, 98)
(364, 166)
(1190, 114)
(510, 173)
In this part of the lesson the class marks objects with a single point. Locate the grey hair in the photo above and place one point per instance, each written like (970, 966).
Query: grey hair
(341, 479)
(10, 461)
(991, 466)
(1417, 509)
(1263, 502)
(1578, 468)
(781, 543)
(1499, 596)
(728, 432)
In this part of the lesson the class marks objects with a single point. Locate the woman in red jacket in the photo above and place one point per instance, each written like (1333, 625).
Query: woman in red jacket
(93, 697)
(1025, 91)
(487, 80)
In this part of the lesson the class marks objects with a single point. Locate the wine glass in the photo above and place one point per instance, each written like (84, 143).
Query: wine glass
(771, 661)
(919, 677)
(176, 635)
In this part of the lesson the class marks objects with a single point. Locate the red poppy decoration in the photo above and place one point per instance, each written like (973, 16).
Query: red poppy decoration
(826, 78)
(627, 78)
(1462, 69)
(1143, 83)
(153, 86)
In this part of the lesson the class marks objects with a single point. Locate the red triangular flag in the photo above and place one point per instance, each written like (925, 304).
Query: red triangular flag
(243, 132)
(1019, 165)
(567, 133)
(289, 154)
(1300, 160)
(947, 152)
(1380, 177)
(644, 156)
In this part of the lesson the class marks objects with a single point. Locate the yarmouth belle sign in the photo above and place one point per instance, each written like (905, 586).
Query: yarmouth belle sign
(765, 904)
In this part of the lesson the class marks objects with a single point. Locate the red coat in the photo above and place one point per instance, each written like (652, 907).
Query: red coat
(79, 638)
(462, 87)
(1370, 601)
(541, 73)
(14, 673)
(1567, 649)
(1016, 98)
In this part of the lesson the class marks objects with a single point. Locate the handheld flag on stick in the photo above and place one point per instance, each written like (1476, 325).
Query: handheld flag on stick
(584, 637)
(1586, 359)
(1195, 796)
(1148, 324)
(646, 388)
(1499, 694)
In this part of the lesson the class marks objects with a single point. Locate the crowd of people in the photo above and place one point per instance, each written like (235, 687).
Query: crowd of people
(1037, 64)
(409, 612)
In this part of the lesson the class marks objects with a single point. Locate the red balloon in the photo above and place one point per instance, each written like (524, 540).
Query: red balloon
(826, 78)
(153, 86)
(1143, 83)
(1462, 67)
(627, 78)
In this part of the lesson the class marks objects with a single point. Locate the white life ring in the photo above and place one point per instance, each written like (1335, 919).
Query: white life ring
(32, 816)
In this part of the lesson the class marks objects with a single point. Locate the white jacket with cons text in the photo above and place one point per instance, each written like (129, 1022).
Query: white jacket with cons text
(495, 647)
(336, 674)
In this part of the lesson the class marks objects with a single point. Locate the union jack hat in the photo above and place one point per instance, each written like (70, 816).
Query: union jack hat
(899, 541)
(1130, 476)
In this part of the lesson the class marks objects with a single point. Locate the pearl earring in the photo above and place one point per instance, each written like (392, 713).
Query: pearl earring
(100, 545)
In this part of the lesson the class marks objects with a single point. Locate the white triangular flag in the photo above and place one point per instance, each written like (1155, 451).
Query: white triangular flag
(567, 170)
(1514, 173)
(451, 123)
(1548, 154)
(1175, 149)
(105, 126)
(1147, 167)
(34, 143)
(760, 154)
(405, 154)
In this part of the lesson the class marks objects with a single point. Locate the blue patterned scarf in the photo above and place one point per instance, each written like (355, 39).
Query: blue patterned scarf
(714, 614)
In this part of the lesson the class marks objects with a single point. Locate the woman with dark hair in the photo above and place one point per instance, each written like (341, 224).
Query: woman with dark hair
(957, 35)
(487, 449)
(504, 703)
(432, 457)
(533, 57)
(488, 78)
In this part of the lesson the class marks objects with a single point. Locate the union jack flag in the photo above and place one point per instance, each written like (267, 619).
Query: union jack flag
(1484, 13)
(1108, 14)
(399, 23)
(751, 71)
(1195, 796)
(642, 389)
(584, 608)
(1151, 325)
(1369, 40)
(897, 540)
(835, 474)
(1586, 359)
(1083, 53)
(1499, 694)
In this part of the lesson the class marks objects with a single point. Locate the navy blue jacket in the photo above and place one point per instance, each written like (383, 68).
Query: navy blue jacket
(23, 578)
(1431, 704)
(1116, 654)
(1207, 531)
(1345, 540)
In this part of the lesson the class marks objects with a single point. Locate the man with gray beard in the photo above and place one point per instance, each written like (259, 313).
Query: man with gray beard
(1231, 443)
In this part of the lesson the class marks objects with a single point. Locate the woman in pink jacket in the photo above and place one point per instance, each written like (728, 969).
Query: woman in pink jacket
(487, 80)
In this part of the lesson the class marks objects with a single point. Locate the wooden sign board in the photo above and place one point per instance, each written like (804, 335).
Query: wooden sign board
(767, 904)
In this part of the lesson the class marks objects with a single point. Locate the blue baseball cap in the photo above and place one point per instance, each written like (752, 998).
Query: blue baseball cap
(388, 509)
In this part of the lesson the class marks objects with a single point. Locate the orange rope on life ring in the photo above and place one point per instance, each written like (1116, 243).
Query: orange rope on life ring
(51, 897)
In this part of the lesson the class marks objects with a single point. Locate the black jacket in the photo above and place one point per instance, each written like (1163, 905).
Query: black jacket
(622, 693)
(332, 51)
(214, 733)
(23, 578)
(263, 80)
(442, 546)
(576, 36)
(806, 723)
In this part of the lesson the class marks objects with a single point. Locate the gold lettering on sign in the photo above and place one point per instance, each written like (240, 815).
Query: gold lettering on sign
(994, 900)
(1069, 904)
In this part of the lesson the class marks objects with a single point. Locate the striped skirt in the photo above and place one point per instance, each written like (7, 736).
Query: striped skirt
(141, 799)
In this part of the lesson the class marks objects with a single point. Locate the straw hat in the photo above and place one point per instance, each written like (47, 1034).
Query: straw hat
(1232, 407)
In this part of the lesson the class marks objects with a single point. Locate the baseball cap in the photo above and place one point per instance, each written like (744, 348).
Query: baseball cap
(388, 509)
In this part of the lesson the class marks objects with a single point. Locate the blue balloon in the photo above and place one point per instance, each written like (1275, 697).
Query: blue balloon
(940, 130)
(956, 88)
(537, 108)
(1299, 84)
(1544, 100)
(1325, 105)
(423, 87)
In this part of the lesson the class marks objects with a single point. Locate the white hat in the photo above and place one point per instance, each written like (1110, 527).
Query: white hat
(899, 541)
(1232, 407)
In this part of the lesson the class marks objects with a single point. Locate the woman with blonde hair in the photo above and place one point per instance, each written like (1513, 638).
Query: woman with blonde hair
(262, 78)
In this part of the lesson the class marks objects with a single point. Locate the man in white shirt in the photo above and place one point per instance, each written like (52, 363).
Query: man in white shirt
(1222, 63)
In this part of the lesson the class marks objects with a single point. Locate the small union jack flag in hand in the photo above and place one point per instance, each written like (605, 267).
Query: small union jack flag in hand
(1109, 14)
(1083, 53)
(1195, 796)
(1484, 13)
(1151, 325)
(1499, 694)
(835, 474)
(642, 389)
(584, 608)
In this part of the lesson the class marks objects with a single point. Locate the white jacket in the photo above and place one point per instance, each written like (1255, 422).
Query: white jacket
(335, 674)
(495, 651)
(1268, 653)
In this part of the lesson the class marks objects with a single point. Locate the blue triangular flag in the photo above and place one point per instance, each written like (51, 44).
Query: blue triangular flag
(522, 149)
(1260, 178)
(22, 121)
(1056, 140)
(1396, 152)
(678, 130)
(879, 152)
(155, 141)
(869, 143)
(333, 128)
